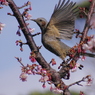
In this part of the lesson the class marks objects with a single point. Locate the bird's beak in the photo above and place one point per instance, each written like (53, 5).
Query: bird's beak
(33, 20)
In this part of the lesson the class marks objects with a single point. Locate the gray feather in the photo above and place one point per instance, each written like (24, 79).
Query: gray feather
(63, 18)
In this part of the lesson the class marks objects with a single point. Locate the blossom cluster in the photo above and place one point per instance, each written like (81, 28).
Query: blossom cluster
(89, 80)
(25, 13)
(29, 70)
(27, 16)
(82, 12)
(76, 49)
(74, 66)
(35, 69)
(3, 2)
(45, 76)
(90, 45)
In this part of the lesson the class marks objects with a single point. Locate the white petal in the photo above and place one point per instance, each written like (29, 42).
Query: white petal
(2, 25)
(85, 47)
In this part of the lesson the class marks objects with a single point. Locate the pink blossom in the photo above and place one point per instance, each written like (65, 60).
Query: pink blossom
(29, 72)
(2, 26)
(18, 32)
(21, 49)
(33, 72)
(23, 76)
(31, 30)
(4, 2)
(17, 42)
(32, 58)
(28, 16)
(90, 45)
(44, 79)
(56, 90)
(43, 72)
(83, 58)
(51, 88)
(39, 69)
(75, 67)
(44, 86)
(53, 62)
(89, 81)
(81, 93)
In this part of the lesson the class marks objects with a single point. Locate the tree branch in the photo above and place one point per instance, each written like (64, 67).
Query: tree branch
(54, 74)
(87, 24)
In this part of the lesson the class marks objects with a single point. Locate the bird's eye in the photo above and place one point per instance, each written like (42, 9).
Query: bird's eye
(40, 20)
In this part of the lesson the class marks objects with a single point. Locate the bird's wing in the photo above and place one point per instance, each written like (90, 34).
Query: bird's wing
(63, 19)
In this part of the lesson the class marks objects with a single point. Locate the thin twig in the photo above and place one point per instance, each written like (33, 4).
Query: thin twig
(78, 82)
(26, 4)
(36, 34)
(19, 60)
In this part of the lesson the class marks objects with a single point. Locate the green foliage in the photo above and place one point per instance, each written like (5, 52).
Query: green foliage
(84, 4)
(74, 93)
(45, 93)
(50, 93)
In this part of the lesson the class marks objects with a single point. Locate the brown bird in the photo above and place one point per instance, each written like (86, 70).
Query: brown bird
(60, 26)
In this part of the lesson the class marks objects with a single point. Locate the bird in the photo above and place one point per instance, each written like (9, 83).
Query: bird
(60, 26)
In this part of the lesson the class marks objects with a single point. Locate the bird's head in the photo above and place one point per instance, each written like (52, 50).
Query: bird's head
(42, 22)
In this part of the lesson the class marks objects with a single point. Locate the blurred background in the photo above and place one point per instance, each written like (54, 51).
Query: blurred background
(10, 69)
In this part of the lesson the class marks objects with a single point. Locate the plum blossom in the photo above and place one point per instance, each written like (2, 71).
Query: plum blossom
(23, 76)
(44, 86)
(31, 30)
(18, 32)
(39, 69)
(28, 16)
(82, 58)
(1, 26)
(44, 79)
(3, 2)
(32, 58)
(76, 67)
(56, 90)
(53, 62)
(29, 72)
(81, 93)
(89, 80)
(90, 45)
(43, 72)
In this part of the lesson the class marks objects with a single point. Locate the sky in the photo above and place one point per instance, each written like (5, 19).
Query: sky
(10, 69)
